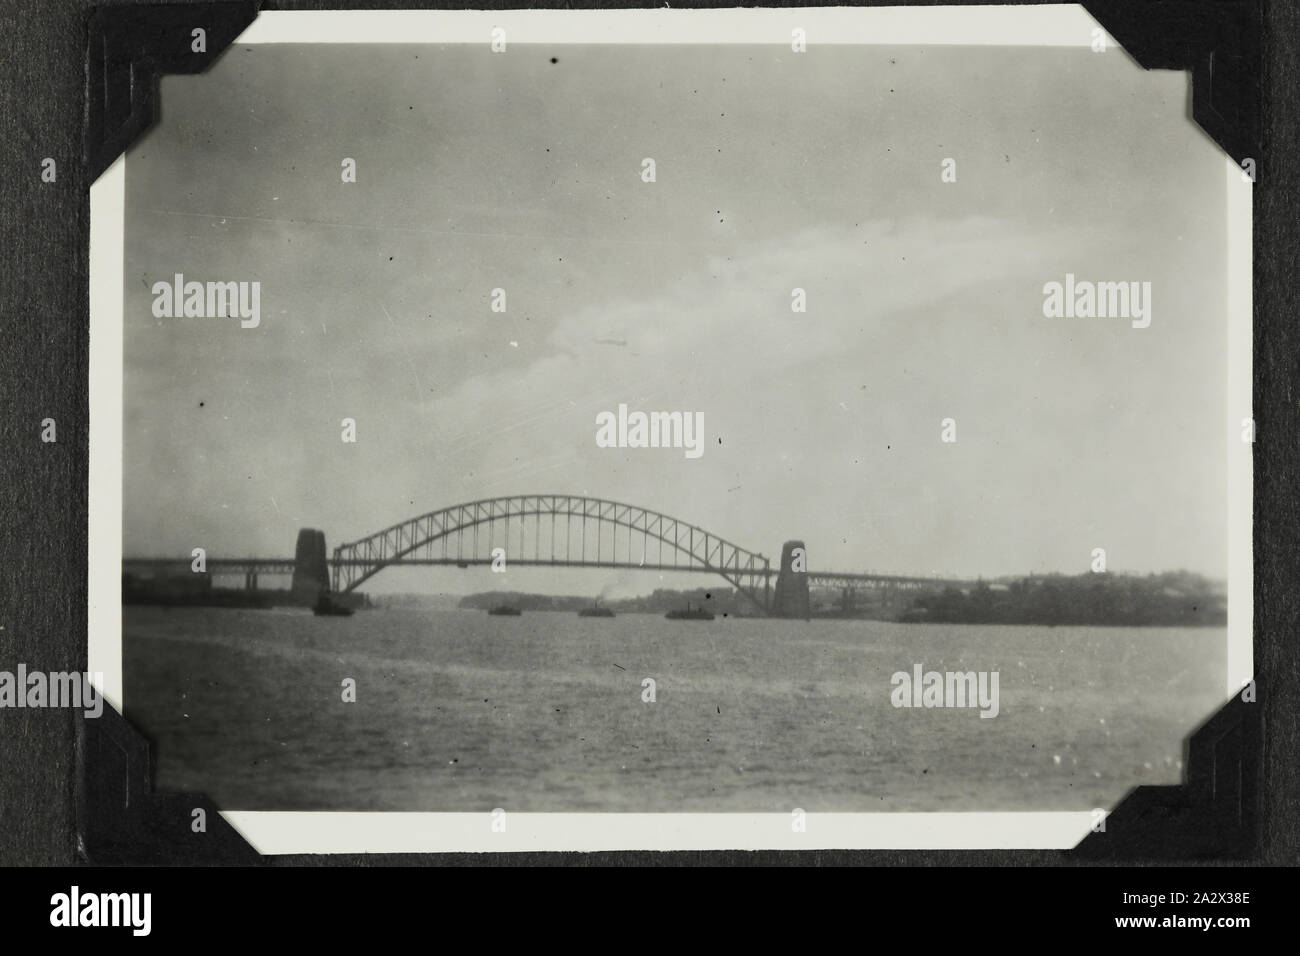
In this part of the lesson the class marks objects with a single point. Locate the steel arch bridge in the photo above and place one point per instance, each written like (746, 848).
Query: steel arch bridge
(541, 530)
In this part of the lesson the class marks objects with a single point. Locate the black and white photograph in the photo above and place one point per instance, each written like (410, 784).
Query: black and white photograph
(783, 421)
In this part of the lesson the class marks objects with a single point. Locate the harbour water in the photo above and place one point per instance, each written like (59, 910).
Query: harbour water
(462, 711)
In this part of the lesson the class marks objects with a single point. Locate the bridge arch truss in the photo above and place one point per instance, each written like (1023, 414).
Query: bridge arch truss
(553, 531)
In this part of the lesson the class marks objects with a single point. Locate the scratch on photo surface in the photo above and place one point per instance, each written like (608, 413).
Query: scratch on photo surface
(544, 410)
(407, 352)
(552, 409)
(504, 476)
(457, 233)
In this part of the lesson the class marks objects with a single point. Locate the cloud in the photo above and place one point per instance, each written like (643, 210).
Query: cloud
(716, 337)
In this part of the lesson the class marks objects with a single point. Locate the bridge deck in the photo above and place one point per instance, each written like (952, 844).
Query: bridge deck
(272, 566)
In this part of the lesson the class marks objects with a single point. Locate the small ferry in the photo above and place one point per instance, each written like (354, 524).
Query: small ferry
(595, 611)
(690, 614)
(504, 610)
(325, 606)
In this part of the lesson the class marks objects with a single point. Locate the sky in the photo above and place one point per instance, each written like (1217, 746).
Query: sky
(774, 171)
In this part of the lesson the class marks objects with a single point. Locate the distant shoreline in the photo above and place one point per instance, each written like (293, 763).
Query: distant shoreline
(1171, 599)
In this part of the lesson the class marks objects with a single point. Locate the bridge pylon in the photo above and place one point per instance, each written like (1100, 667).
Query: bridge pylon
(311, 573)
(791, 597)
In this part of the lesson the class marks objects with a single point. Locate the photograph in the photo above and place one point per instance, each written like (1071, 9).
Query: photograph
(763, 420)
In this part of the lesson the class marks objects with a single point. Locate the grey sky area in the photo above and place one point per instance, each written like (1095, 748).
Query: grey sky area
(774, 171)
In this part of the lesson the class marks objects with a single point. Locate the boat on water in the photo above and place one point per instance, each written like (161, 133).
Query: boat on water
(690, 614)
(595, 611)
(504, 610)
(325, 606)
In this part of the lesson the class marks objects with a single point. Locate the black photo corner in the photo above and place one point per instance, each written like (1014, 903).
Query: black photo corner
(76, 794)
